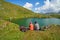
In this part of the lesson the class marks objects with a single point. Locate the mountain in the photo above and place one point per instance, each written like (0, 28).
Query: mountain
(9, 10)
(12, 11)
(53, 13)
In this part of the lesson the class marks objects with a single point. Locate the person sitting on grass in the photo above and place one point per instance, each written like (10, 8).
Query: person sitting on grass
(36, 26)
(31, 26)
(23, 29)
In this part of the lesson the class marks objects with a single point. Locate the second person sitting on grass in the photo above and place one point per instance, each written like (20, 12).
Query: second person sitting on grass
(36, 26)
(31, 26)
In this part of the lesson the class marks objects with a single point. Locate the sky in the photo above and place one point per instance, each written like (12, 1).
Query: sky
(39, 6)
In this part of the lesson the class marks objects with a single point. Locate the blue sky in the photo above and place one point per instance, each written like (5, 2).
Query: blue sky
(22, 2)
(39, 6)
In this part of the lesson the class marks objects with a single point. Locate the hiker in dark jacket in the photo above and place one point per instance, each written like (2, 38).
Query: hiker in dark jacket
(23, 29)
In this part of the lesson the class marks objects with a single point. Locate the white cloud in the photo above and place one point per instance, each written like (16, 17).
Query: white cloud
(28, 6)
(49, 6)
(37, 3)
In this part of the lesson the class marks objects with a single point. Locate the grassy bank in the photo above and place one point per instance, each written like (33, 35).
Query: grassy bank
(11, 31)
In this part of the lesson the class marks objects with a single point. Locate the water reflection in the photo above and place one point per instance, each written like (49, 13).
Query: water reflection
(42, 22)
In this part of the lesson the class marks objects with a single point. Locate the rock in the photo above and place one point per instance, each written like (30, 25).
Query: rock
(23, 29)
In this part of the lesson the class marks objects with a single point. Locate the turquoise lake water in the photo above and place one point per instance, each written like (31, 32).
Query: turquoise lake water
(41, 21)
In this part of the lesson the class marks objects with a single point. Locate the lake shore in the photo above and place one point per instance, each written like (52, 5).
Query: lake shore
(12, 32)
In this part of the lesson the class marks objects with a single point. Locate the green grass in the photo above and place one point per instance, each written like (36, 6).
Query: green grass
(11, 31)
(52, 33)
(10, 10)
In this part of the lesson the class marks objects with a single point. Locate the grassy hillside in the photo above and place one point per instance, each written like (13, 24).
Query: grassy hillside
(55, 15)
(10, 31)
(8, 10)
(11, 11)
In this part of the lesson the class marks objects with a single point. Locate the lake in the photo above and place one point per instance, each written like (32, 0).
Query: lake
(41, 21)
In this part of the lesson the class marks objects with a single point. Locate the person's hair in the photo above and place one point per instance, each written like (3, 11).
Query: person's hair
(35, 21)
(30, 22)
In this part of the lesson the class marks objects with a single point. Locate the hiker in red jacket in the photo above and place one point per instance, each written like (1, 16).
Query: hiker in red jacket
(31, 26)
